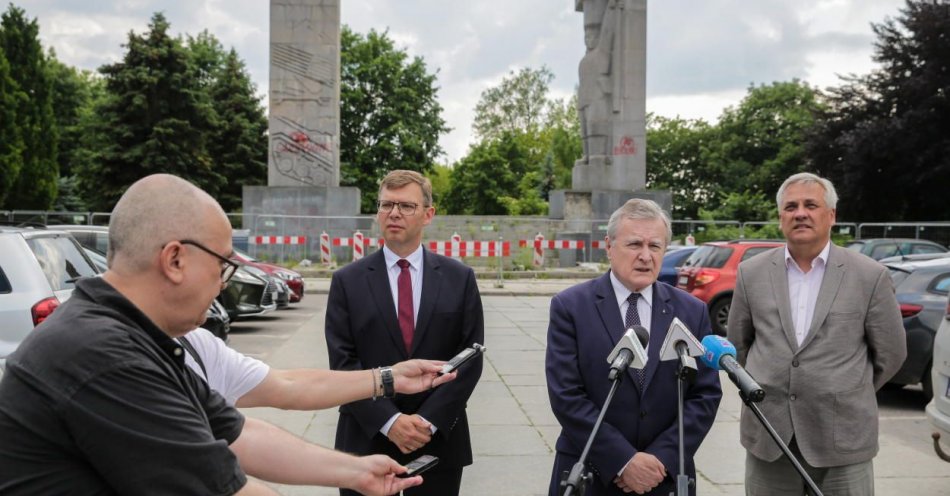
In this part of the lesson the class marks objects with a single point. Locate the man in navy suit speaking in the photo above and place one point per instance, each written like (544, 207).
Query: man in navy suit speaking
(636, 449)
(400, 302)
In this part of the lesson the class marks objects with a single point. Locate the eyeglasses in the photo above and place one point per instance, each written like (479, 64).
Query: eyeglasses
(228, 266)
(405, 208)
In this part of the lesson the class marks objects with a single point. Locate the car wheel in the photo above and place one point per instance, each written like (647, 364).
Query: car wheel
(719, 314)
(927, 383)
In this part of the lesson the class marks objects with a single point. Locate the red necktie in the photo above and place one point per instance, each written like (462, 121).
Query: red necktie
(404, 289)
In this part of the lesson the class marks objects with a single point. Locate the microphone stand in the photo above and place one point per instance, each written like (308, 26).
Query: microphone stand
(685, 374)
(575, 481)
(812, 487)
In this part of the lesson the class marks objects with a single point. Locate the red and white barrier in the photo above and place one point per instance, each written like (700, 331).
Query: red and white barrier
(278, 240)
(325, 248)
(471, 248)
(539, 245)
(358, 242)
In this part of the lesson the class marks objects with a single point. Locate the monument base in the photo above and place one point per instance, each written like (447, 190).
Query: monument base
(586, 214)
(609, 173)
(289, 211)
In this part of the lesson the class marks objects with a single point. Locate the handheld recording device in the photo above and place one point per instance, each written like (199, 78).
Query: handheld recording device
(464, 356)
(419, 465)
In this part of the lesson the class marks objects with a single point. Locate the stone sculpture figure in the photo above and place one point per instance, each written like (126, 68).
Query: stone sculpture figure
(599, 79)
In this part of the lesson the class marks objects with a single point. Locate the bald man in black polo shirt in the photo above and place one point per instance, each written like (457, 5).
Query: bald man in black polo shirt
(98, 400)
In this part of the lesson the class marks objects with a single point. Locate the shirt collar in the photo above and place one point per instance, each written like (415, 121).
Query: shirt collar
(99, 291)
(622, 293)
(823, 256)
(414, 258)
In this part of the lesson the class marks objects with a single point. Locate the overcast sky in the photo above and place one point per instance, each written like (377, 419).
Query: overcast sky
(702, 55)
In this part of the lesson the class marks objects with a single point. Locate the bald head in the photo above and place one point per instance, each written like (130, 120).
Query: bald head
(153, 211)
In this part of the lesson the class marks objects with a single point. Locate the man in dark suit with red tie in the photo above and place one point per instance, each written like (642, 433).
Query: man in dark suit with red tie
(398, 303)
(636, 449)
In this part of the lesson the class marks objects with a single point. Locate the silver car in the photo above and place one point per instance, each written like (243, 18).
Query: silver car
(38, 270)
(939, 407)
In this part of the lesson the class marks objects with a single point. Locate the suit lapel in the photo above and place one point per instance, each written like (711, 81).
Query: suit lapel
(662, 317)
(377, 280)
(830, 282)
(608, 310)
(431, 284)
(779, 277)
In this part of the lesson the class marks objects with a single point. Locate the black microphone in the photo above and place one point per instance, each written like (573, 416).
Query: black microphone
(628, 352)
(681, 345)
(721, 355)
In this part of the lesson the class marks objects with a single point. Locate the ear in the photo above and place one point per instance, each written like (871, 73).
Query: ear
(171, 262)
(429, 213)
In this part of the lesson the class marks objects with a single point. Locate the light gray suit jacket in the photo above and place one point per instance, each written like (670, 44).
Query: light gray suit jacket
(823, 391)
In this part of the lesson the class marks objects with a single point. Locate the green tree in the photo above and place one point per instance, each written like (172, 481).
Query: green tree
(11, 145)
(34, 185)
(390, 117)
(883, 140)
(489, 173)
(760, 142)
(441, 178)
(237, 143)
(519, 104)
(157, 118)
(676, 161)
(74, 93)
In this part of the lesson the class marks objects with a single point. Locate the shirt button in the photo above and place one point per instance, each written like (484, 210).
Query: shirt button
(792, 397)
(177, 352)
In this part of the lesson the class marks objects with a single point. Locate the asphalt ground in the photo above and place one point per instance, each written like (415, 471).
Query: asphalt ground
(513, 429)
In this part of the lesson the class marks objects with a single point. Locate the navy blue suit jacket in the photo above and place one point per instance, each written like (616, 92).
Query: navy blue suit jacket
(585, 326)
(362, 332)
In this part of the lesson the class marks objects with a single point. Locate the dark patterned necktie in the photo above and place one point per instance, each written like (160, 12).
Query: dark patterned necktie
(404, 289)
(632, 319)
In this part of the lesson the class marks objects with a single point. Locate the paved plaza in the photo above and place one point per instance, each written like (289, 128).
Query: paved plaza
(514, 431)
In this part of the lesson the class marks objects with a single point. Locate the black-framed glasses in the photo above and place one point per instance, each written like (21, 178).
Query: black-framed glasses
(405, 208)
(228, 266)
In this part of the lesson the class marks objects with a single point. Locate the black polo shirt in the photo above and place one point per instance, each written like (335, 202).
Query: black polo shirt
(98, 400)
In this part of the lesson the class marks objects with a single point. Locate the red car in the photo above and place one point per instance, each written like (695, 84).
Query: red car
(293, 279)
(710, 274)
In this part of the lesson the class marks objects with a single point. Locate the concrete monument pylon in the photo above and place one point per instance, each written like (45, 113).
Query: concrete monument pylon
(303, 167)
(611, 104)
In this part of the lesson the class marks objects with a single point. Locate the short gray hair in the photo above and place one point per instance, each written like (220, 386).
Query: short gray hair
(831, 196)
(639, 208)
(155, 210)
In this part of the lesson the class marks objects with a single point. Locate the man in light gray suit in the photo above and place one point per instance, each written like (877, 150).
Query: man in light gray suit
(819, 327)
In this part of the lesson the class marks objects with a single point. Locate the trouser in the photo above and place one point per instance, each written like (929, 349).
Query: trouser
(779, 478)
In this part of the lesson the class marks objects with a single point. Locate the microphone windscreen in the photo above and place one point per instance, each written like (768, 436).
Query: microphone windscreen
(716, 348)
(642, 335)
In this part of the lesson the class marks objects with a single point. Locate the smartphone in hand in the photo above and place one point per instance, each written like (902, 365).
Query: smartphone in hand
(419, 465)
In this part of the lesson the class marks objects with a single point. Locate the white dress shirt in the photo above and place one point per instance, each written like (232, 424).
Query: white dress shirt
(803, 290)
(415, 274)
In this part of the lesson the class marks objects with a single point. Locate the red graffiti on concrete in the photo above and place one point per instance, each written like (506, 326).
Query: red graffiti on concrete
(302, 143)
(627, 146)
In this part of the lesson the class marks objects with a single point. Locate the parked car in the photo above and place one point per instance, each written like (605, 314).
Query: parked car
(919, 257)
(293, 278)
(217, 321)
(878, 248)
(675, 256)
(249, 292)
(939, 407)
(92, 237)
(38, 271)
(922, 289)
(710, 274)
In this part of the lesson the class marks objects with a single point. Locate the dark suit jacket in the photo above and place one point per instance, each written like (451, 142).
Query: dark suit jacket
(585, 326)
(362, 332)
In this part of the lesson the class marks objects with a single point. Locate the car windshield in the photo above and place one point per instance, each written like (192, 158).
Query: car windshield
(710, 256)
(243, 255)
(856, 246)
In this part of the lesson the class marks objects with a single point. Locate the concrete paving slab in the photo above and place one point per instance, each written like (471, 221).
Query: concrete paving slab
(514, 431)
